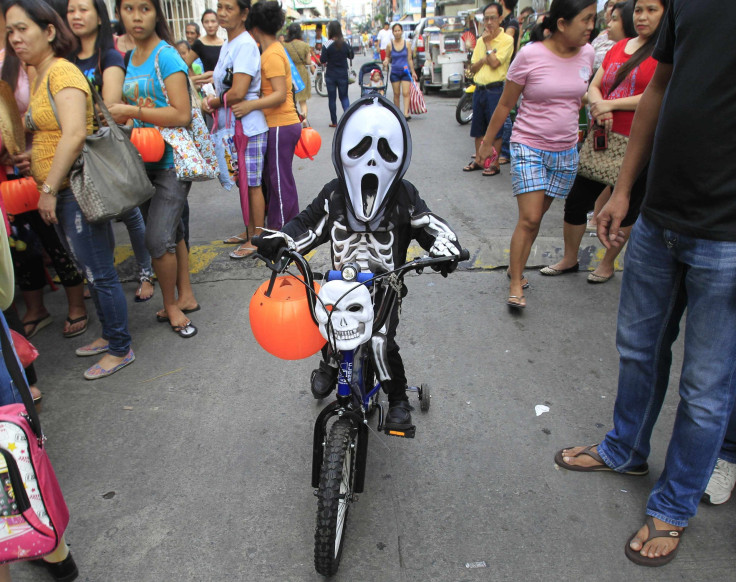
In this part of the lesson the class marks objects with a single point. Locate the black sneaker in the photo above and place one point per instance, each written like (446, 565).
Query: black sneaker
(323, 380)
(64, 571)
(399, 415)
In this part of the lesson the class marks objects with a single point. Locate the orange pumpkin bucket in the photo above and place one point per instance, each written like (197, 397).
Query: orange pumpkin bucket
(149, 143)
(281, 323)
(308, 144)
(20, 196)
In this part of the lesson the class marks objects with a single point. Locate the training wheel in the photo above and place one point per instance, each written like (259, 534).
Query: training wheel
(424, 397)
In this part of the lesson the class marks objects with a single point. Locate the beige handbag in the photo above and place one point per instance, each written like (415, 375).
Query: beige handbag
(602, 165)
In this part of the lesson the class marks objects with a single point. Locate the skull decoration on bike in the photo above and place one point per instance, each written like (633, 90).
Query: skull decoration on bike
(345, 314)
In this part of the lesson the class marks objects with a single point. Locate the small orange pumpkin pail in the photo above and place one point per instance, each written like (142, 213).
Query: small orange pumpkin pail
(20, 196)
(149, 143)
(308, 144)
(281, 323)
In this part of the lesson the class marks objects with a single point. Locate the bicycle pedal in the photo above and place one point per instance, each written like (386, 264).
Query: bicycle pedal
(407, 433)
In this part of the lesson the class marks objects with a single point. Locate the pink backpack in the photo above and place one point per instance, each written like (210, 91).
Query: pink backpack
(33, 513)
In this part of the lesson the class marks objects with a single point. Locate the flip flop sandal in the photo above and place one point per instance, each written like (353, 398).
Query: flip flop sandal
(96, 372)
(472, 167)
(38, 325)
(637, 558)
(239, 240)
(185, 331)
(492, 171)
(68, 334)
(138, 298)
(523, 285)
(165, 318)
(515, 304)
(638, 471)
(248, 253)
(502, 161)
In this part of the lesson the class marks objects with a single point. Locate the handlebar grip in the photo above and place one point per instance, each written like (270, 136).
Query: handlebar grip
(464, 255)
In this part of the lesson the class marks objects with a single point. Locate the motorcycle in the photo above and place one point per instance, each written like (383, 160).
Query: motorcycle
(464, 109)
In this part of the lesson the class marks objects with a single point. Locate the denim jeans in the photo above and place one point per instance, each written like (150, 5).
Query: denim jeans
(334, 87)
(133, 220)
(665, 273)
(728, 450)
(8, 390)
(91, 246)
(506, 143)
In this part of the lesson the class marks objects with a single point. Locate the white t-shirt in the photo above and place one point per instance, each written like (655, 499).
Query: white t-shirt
(242, 55)
(384, 38)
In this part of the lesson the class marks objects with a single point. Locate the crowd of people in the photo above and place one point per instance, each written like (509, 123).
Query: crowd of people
(616, 65)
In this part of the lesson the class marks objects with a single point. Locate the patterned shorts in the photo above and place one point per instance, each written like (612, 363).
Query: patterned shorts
(255, 153)
(533, 170)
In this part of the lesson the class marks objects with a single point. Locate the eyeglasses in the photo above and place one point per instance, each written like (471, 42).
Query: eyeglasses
(490, 18)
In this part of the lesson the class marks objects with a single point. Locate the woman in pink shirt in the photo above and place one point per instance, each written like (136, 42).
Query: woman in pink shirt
(552, 76)
(614, 94)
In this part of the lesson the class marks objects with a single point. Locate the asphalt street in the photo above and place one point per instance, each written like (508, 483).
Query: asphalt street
(194, 463)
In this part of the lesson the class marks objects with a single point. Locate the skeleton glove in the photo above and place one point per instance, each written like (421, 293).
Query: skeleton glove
(445, 245)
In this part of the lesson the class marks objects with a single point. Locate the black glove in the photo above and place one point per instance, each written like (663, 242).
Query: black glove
(269, 245)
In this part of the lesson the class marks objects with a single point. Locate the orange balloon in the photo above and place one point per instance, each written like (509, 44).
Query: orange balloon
(20, 196)
(308, 144)
(281, 323)
(149, 143)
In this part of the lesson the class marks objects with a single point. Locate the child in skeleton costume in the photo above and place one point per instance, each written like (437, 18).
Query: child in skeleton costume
(369, 215)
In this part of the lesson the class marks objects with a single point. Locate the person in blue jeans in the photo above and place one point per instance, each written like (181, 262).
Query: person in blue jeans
(335, 57)
(682, 254)
(60, 116)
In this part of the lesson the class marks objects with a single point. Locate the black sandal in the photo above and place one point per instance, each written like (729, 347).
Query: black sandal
(68, 334)
(472, 167)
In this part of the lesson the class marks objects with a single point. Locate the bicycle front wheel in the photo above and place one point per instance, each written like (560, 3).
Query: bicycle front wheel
(334, 496)
(319, 84)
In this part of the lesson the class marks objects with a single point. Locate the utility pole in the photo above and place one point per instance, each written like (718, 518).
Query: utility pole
(424, 9)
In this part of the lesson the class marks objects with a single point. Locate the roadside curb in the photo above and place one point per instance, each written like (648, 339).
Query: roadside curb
(209, 261)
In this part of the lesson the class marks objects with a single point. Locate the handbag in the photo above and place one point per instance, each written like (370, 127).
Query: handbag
(602, 165)
(352, 75)
(194, 152)
(417, 105)
(33, 513)
(108, 178)
(296, 78)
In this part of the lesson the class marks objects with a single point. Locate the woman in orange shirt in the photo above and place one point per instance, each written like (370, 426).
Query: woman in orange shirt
(284, 128)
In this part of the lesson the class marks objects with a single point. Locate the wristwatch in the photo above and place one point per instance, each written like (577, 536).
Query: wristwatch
(46, 189)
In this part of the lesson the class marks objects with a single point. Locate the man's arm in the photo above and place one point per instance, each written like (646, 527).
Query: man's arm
(637, 155)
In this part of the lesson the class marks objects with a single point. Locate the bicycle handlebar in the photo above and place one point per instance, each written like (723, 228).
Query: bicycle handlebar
(286, 256)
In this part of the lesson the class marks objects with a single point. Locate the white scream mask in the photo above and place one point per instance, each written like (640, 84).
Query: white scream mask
(371, 152)
(351, 316)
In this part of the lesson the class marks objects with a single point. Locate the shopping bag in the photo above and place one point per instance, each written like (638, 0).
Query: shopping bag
(417, 106)
(227, 159)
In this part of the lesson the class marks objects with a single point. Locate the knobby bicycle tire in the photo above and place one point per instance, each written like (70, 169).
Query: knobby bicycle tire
(334, 496)
(319, 84)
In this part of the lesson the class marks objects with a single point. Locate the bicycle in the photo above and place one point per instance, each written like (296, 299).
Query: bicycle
(339, 453)
(319, 81)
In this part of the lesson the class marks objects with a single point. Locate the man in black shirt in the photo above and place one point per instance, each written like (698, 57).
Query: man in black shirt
(509, 24)
(682, 254)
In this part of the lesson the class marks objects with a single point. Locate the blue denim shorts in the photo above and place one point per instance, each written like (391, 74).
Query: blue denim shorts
(551, 172)
(401, 76)
(484, 104)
